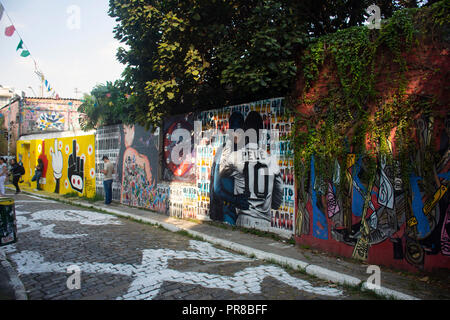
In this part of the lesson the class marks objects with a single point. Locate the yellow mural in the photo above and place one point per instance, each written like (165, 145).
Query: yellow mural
(69, 164)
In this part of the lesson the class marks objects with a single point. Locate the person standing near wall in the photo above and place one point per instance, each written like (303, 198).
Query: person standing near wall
(108, 179)
(3, 176)
(17, 171)
(38, 173)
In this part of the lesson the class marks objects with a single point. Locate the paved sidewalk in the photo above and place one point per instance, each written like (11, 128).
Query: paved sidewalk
(394, 284)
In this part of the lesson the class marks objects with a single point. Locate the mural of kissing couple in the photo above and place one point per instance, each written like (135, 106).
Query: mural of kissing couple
(246, 182)
(245, 166)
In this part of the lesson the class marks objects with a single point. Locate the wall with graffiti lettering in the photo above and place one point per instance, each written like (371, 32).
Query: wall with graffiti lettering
(69, 162)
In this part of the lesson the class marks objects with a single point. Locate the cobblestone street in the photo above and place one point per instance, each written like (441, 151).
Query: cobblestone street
(122, 259)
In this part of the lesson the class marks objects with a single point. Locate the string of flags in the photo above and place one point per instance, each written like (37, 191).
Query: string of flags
(23, 50)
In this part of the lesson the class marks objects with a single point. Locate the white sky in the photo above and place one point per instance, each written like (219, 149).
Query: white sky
(69, 58)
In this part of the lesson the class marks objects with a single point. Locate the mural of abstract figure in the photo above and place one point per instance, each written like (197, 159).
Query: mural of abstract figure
(174, 171)
(57, 164)
(403, 223)
(75, 169)
(223, 201)
(50, 121)
(138, 163)
(256, 176)
(43, 158)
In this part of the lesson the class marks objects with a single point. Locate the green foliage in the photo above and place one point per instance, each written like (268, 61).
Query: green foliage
(357, 57)
(106, 105)
(187, 56)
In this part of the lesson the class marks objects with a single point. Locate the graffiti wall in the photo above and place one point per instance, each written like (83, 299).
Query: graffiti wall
(39, 115)
(69, 163)
(393, 222)
(202, 176)
(134, 152)
(178, 130)
(244, 181)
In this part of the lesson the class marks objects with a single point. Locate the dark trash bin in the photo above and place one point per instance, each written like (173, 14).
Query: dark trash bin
(8, 226)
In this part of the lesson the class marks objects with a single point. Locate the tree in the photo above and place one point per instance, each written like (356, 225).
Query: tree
(194, 55)
(106, 105)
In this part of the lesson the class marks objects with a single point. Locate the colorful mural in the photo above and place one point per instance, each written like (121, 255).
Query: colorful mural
(177, 133)
(199, 180)
(134, 152)
(388, 221)
(69, 163)
(244, 182)
(44, 114)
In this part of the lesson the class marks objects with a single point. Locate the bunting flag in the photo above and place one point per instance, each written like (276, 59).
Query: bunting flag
(25, 53)
(20, 46)
(9, 31)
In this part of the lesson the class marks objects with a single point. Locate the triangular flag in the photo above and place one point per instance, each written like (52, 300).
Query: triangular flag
(25, 53)
(1, 11)
(9, 31)
(20, 46)
(46, 83)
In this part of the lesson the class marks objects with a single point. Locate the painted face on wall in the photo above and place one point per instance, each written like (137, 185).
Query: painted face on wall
(129, 135)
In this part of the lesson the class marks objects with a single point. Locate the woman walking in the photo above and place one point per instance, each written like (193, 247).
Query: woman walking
(17, 171)
(3, 176)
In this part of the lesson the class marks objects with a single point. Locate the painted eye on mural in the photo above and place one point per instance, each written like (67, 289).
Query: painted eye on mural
(92, 173)
(60, 144)
(77, 182)
(67, 149)
(90, 150)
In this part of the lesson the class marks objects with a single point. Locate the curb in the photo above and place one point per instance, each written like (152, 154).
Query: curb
(15, 282)
(310, 269)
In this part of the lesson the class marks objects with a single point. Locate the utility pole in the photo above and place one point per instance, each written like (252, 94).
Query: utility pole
(76, 93)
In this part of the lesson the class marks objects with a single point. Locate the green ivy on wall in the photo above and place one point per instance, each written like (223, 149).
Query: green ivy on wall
(343, 121)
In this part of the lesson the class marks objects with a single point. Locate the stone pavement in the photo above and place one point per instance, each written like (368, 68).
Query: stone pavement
(394, 284)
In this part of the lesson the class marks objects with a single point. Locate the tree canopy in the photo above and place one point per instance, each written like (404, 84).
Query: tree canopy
(183, 56)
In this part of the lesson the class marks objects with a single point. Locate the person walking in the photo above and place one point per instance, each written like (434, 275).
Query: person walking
(3, 176)
(38, 173)
(17, 171)
(108, 179)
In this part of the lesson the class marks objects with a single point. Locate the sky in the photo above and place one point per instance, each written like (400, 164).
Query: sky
(72, 42)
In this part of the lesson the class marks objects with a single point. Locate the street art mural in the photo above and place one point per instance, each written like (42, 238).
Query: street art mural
(226, 176)
(247, 183)
(51, 121)
(69, 163)
(252, 187)
(134, 153)
(388, 221)
(39, 115)
(175, 129)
